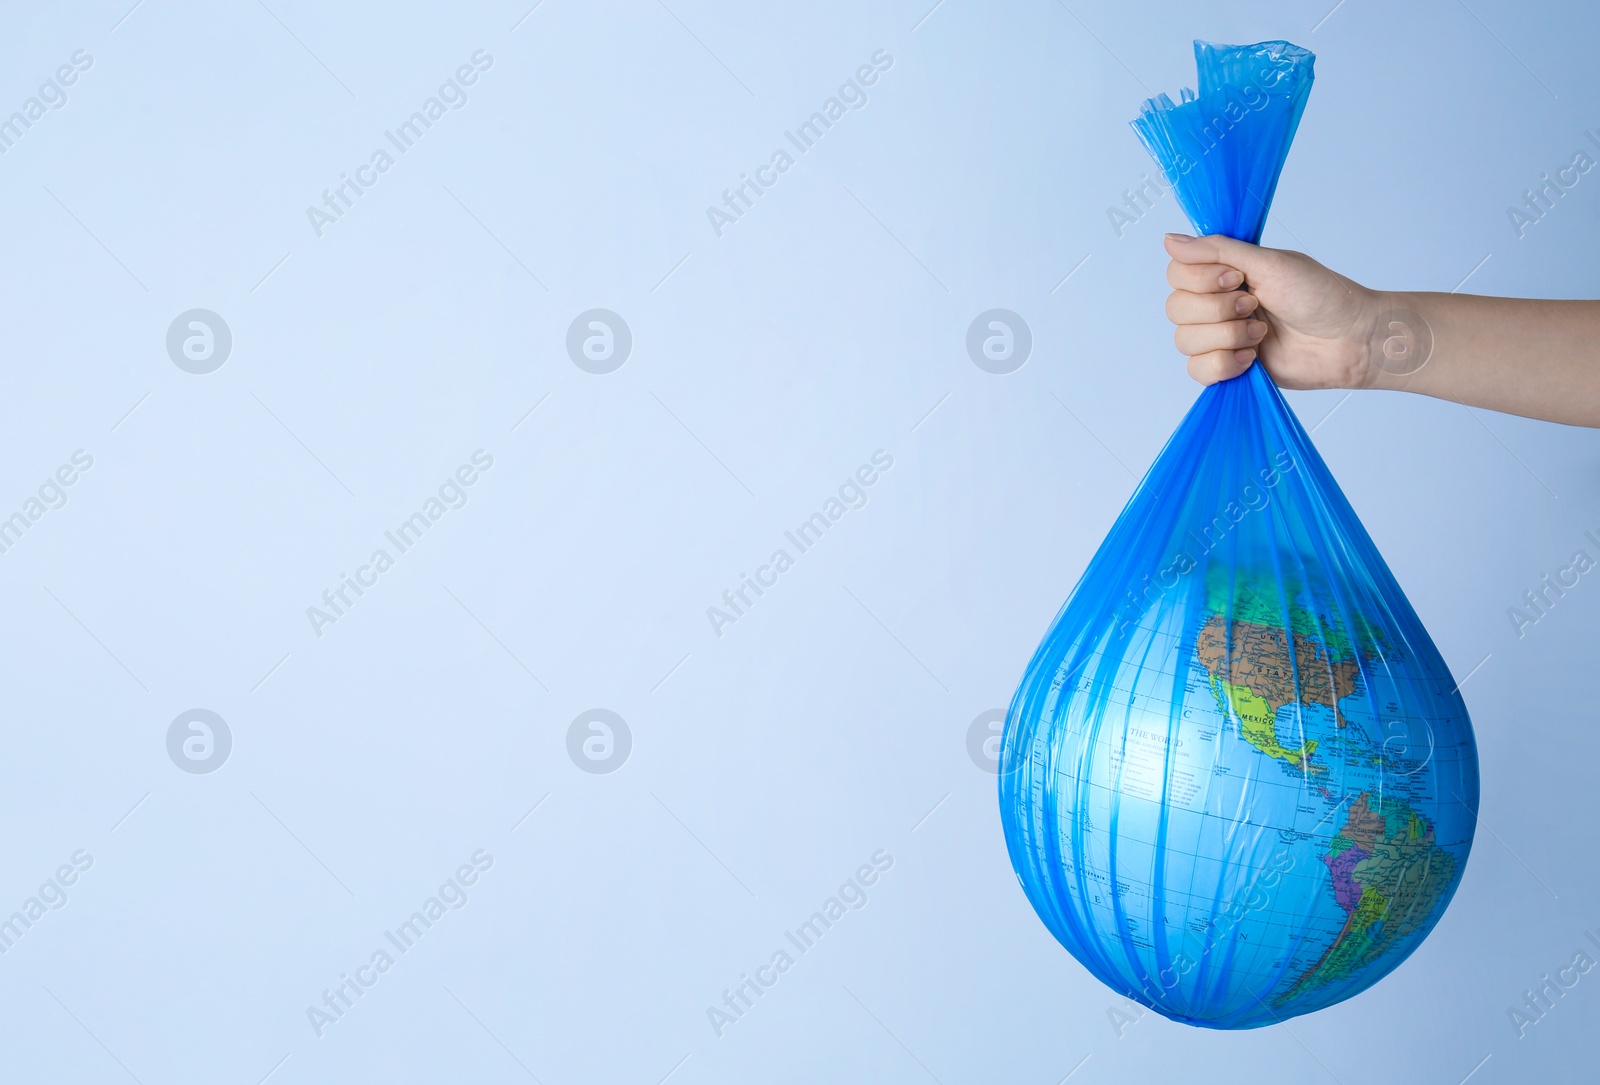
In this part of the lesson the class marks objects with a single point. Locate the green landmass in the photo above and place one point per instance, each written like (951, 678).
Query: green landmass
(1257, 596)
(1401, 880)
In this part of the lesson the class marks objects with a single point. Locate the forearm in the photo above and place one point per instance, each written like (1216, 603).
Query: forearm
(1522, 356)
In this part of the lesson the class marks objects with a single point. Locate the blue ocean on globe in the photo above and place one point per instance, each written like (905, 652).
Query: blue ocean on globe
(1238, 781)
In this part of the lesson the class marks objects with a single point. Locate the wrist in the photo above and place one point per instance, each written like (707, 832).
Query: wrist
(1399, 340)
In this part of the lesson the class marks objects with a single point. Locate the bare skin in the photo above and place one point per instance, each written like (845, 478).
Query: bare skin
(1314, 328)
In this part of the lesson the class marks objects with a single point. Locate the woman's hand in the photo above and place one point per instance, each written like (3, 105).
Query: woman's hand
(1314, 328)
(1234, 302)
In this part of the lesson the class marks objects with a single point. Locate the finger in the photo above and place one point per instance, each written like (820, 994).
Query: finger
(1203, 278)
(1253, 260)
(1186, 307)
(1195, 339)
(1219, 365)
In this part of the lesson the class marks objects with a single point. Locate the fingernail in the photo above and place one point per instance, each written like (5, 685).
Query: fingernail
(1256, 329)
(1230, 279)
(1247, 355)
(1180, 238)
(1245, 303)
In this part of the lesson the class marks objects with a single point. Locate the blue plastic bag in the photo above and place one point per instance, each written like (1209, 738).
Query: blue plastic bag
(1237, 781)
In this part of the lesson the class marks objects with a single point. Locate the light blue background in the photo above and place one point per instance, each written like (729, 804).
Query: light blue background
(768, 364)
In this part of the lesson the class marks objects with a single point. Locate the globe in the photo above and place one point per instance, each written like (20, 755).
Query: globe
(1238, 782)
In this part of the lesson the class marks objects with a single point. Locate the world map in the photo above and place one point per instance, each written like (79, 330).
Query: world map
(1386, 872)
(1263, 803)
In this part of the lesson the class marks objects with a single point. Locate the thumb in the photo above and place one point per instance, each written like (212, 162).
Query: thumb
(1256, 262)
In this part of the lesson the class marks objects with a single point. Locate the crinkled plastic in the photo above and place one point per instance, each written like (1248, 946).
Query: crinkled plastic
(1237, 781)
